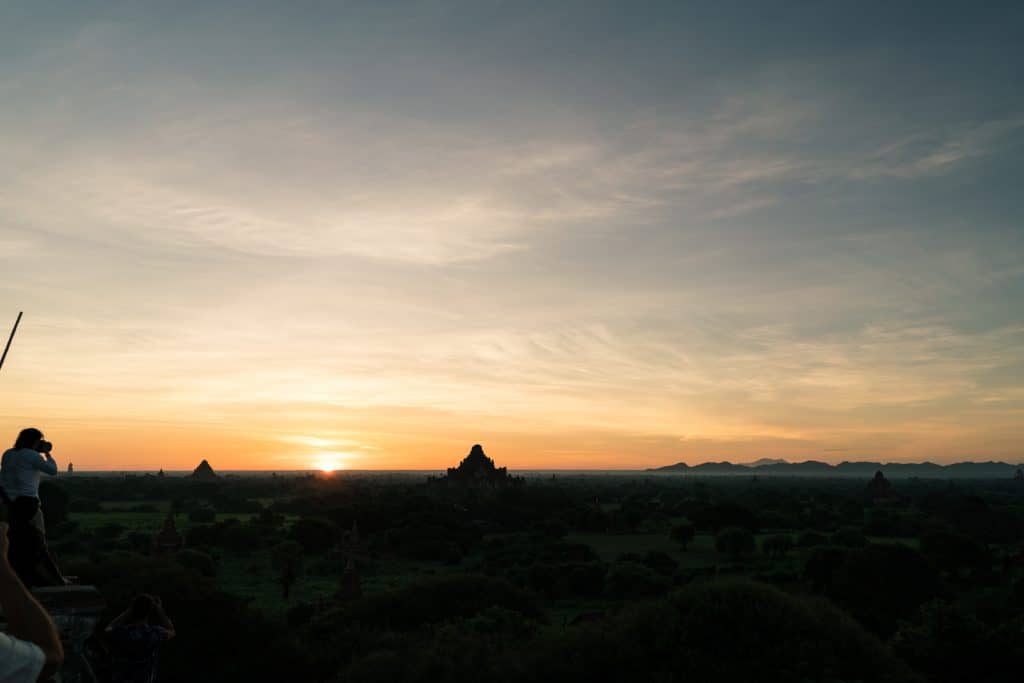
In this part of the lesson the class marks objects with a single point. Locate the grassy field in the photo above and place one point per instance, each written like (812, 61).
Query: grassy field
(700, 553)
(251, 577)
(148, 522)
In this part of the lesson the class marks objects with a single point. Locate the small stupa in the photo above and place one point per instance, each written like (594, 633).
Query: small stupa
(349, 584)
(879, 488)
(168, 540)
(204, 471)
(351, 542)
(71, 468)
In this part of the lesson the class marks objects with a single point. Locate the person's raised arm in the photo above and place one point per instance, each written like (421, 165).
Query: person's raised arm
(26, 618)
(120, 619)
(48, 466)
(160, 618)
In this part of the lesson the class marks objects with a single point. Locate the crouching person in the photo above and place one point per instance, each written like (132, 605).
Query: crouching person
(135, 638)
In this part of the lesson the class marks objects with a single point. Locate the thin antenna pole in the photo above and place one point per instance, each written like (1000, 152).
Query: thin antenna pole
(10, 339)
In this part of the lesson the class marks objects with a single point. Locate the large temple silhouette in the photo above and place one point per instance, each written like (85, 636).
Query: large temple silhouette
(478, 470)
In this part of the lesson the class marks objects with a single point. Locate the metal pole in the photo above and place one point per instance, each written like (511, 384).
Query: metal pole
(10, 339)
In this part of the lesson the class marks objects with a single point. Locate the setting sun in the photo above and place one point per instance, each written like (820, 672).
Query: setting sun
(329, 462)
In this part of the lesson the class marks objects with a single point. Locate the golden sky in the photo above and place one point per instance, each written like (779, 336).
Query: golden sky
(375, 235)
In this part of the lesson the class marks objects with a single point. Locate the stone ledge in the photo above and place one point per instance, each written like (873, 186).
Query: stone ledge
(75, 610)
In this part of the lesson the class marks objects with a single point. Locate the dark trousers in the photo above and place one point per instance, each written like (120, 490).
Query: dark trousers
(27, 553)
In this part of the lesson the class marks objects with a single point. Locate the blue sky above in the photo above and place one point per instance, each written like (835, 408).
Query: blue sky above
(607, 234)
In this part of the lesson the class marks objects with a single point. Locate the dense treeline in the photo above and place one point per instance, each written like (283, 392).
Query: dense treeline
(558, 579)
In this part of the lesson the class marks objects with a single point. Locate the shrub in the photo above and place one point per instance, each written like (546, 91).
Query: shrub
(631, 580)
(109, 531)
(198, 561)
(849, 537)
(202, 515)
(683, 533)
(735, 542)
(811, 539)
(315, 535)
(953, 551)
(427, 602)
(777, 544)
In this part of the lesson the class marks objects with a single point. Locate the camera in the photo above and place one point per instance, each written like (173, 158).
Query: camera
(44, 447)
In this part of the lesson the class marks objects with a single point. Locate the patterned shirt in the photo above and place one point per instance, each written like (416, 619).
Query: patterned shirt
(134, 652)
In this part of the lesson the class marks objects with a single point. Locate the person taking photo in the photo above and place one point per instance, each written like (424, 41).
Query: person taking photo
(20, 472)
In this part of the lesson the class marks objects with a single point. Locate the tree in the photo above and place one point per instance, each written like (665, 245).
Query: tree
(683, 533)
(879, 584)
(952, 551)
(849, 537)
(54, 501)
(202, 515)
(948, 642)
(777, 544)
(735, 542)
(632, 580)
(197, 560)
(286, 558)
(691, 635)
(811, 539)
(315, 535)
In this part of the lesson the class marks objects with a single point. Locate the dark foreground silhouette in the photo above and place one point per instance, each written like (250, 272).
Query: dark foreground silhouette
(388, 577)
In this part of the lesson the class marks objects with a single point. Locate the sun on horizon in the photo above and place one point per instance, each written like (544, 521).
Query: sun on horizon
(329, 462)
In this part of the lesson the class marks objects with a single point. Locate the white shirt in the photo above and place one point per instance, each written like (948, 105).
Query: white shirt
(20, 472)
(20, 660)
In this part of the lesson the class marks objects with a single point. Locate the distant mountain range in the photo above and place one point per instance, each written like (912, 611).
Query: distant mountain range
(815, 468)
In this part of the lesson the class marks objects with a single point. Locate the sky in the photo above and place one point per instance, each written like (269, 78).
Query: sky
(368, 235)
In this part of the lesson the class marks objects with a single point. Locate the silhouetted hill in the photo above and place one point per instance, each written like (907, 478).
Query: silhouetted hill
(808, 467)
(814, 468)
(766, 461)
(724, 467)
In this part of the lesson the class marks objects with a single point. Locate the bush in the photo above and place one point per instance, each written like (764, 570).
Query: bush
(139, 541)
(735, 542)
(202, 515)
(777, 544)
(952, 551)
(721, 631)
(198, 561)
(811, 539)
(683, 533)
(878, 584)
(659, 562)
(822, 564)
(427, 602)
(630, 580)
(54, 501)
(109, 531)
(849, 537)
(315, 535)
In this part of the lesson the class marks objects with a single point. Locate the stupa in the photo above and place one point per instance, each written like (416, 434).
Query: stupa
(349, 585)
(204, 471)
(879, 488)
(476, 469)
(168, 540)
